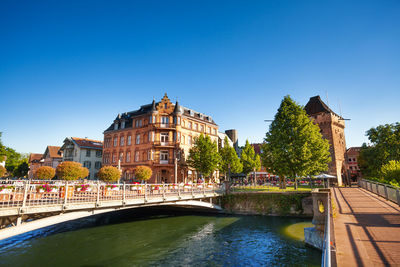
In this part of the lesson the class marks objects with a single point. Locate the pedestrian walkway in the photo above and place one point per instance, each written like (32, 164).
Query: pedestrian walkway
(367, 229)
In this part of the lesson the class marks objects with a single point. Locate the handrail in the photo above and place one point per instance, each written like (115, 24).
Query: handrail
(390, 192)
(326, 251)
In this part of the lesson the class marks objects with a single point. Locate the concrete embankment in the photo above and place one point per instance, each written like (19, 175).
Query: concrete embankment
(269, 203)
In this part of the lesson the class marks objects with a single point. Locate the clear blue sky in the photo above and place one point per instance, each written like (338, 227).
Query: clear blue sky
(67, 68)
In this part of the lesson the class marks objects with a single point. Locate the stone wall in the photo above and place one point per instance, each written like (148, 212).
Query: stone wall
(269, 203)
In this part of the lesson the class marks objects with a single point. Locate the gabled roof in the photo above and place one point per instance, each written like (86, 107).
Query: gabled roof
(354, 150)
(52, 151)
(315, 105)
(35, 157)
(88, 143)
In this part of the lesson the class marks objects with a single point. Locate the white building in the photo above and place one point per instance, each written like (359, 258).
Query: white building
(85, 151)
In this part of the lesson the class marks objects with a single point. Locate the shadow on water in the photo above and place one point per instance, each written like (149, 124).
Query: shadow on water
(160, 237)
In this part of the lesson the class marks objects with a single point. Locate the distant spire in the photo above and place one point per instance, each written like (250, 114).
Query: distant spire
(153, 106)
(177, 109)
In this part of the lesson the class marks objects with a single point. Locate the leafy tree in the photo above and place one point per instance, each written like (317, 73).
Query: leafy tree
(229, 158)
(143, 173)
(204, 156)
(22, 169)
(294, 145)
(45, 173)
(385, 146)
(69, 170)
(2, 171)
(13, 159)
(391, 172)
(109, 174)
(250, 160)
(84, 172)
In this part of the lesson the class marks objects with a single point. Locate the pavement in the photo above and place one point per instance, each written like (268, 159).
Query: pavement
(366, 228)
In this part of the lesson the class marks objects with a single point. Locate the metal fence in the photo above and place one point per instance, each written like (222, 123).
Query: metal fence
(326, 250)
(389, 192)
(36, 193)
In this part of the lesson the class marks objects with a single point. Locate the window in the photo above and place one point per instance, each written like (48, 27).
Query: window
(195, 126)
(121, 156)
(163, 155)
(189, 140)
(214, 131)
(164, 137)
(201, 128)
(122, 141)
(179, 137)
(87, 152)
(183, 139)
(97, 165)
(164, 120)
(138, 123)
(129, 140)
(137, 156)
(128, 156)
(115, 141)
(99, 153)
(87, 164)
(165, 106)
(122, 124)
(150, 119)
(114, 158)
(189, 125)
(349, 159)
(116, 126)
(178, 120)
(174, 136)
(138, 139)
(208, 130)
(149, 155)
(151, 136)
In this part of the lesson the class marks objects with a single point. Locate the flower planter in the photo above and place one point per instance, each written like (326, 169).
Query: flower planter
(70, 192)
(18, 196)
(5, 197)
(35, 196)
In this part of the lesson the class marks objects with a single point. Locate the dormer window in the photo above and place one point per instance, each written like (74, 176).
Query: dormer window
(116, 126)
(122, 124)
(165, 105)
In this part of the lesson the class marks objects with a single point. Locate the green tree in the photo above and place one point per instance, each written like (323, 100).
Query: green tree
(385, 146)
(21, 170)
(109, 174)
(45, 173)
(13, 159)
(229, 158)
(143, 173)
(391, 172)
(294, 145)
(250, 160)
(69, 170)
(204, 156)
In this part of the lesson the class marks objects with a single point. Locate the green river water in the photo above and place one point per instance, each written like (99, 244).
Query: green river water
(154, 238)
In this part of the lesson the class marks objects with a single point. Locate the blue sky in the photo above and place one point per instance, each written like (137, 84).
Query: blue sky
(67, 68)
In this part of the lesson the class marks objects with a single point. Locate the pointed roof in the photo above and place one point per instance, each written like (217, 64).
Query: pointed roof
(52, 151)
(35, 157)
(315, 105)
(153, 106)
(177, 109)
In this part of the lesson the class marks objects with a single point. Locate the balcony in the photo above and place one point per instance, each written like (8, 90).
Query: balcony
(164, 144)
(170, 126)
(158, 161)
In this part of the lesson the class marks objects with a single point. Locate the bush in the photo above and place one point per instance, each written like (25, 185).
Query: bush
(109, 174)
(391, 171)
(2, 171)
(45, 173)
(143, 173)
(69, 170)
(84, 172)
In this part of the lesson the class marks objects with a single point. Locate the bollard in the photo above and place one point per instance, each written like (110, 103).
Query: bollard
(123, 194)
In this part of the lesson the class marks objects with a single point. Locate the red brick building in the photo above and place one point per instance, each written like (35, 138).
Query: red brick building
(352, 162)
(158, 135)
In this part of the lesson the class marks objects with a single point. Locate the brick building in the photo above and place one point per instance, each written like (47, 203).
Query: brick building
(35, 162)
(332, 128)
(158, 135)
(352, 162)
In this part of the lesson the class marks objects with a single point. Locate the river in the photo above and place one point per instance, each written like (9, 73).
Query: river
(161, 238)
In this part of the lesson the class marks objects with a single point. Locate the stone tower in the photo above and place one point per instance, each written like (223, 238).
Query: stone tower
(332, 128)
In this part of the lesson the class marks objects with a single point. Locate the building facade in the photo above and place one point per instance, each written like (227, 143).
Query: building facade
(332, 128)
(85, 151)
(352, 162)
(52, 157)
(35, 161)
(158, 135)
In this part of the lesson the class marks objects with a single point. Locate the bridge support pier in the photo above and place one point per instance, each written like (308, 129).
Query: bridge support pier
(314, 236)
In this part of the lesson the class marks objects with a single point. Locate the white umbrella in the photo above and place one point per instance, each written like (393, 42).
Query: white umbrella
(324, 175)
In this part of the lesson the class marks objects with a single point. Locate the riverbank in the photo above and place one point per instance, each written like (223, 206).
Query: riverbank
(297, 204)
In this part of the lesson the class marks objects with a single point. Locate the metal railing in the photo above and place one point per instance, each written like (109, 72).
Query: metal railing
(326, 250)
(386, 191)
(40, 193)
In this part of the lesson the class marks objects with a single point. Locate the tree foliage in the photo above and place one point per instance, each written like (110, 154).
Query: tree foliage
(229, 158)
(385, 146)
(250, 160)
(294, 145)
(69, 170)
(391, 172)
(84, 172)
(22, 169)
(45, 173)
(143, 173)
(2, 171)
(204, 156)
(109, 174)
(13, 160)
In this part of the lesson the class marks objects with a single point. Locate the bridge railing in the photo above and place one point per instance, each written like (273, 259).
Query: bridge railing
(389, 192)
(326, 250)
(37, 193)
